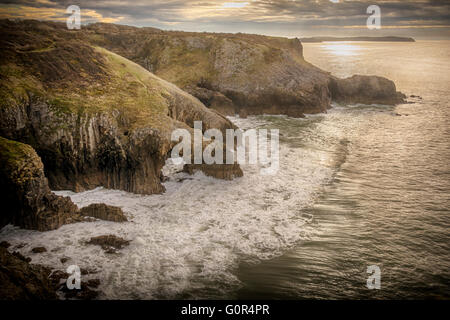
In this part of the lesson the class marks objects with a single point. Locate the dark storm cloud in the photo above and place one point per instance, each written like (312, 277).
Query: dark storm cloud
(286, 17)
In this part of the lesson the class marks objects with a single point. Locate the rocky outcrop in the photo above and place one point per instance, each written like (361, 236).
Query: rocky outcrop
(109, 243)
(22, 281)
(27, 199)
(97, 119)
(103, 212)
(214, 100)
(238, 73)
(94, 118)
(221, 171)
(39, 250)
(25, 196)
(227, 72)
(365, 89)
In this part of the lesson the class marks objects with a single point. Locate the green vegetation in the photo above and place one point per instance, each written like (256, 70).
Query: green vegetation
(13, 152)
(18, 161)
(125, 87)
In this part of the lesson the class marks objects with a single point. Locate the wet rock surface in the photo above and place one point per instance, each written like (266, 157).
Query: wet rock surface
(24, 192)
(22, 281)
(225, 171)
(365, 90)
(104, 212)
(39, 250)
(64, 260)
(109, 243)
(5, 244)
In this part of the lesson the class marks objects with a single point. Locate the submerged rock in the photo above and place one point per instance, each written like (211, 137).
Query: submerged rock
(222, 171)
(58, 280)
(39, 250)
(84, 293)
(88, 271)
(20, 256)
(64, 260)
(93, 283)
(104, 212)
(5, 244)
(109, 243)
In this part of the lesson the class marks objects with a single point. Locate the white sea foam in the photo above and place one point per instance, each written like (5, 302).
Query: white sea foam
(188, 241)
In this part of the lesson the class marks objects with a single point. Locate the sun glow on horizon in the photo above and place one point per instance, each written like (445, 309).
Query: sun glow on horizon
(233, 5)
(341, 49)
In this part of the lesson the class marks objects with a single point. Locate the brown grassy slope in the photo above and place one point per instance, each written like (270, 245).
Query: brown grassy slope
(95, 118)
(258, 73)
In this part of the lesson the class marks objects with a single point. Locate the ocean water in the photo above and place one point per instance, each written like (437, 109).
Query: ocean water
(358, 186)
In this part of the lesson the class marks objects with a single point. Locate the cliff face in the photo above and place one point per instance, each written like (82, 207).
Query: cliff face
(234, 73)
(228, 72)
(95, 118)
(25, 196)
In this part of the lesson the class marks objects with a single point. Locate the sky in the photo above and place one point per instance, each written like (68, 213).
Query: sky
(421, 19)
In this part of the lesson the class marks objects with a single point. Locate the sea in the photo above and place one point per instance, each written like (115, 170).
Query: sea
(360, 187)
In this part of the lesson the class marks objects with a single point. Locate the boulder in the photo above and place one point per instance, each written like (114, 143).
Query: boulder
(104, 212)
(39, 250)
(22, 281)
(109, 243)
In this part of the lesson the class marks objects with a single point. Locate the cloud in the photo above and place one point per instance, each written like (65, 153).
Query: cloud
(261, 16)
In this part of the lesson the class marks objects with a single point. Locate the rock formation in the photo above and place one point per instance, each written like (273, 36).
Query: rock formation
(360, 89)
(22, 281)
(109, 243)
(94, 118)
(25, 196)
(103, 212)
(235, 72)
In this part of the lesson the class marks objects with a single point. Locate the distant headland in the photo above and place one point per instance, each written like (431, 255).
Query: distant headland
(376, 39)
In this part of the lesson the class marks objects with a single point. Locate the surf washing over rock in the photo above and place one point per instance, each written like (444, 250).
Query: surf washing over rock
(96, 108)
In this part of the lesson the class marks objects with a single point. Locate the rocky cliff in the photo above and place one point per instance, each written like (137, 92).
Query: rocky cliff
(237, 73)
(94, 117)
(25, 196)
(98, 119)
(360, 89)
(23, 281)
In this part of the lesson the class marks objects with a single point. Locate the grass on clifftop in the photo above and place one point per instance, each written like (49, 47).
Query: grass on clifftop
(18, 161)
(129, 88)
(117, 84)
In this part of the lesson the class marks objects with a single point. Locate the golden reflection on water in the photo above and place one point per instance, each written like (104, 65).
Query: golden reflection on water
(341, 49)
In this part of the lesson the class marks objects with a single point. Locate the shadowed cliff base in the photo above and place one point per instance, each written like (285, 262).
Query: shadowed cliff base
(26, 197)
